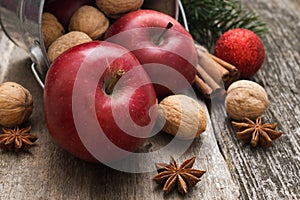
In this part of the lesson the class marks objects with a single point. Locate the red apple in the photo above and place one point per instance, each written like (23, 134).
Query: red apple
(97, 101)
(144, 33)
(64, 9)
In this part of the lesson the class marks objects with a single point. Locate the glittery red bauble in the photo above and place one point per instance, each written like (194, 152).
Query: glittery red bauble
(243, 49)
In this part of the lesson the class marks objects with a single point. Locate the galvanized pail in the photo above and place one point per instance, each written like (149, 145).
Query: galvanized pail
(21, 20)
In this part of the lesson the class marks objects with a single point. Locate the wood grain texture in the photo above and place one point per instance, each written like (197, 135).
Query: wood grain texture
(271, 173)
(50, 172)
(234, 170)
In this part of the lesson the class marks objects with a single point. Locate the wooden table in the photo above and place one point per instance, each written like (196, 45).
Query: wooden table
(234, 170)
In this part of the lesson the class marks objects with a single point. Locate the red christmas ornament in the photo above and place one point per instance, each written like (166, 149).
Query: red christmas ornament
(243, 49)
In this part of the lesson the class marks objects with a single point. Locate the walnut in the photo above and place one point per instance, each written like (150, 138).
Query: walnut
(51, 29)
(89, 20)
(246, 99)
(117, 8)
(15, 104)
(182, 116)
(65, 42)
(46, 16)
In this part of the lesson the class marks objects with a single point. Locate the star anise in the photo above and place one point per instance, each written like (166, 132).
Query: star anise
(16, 139)
(183, 175)
(256, 132)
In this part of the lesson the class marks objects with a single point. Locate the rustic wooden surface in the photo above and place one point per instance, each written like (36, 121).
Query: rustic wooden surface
(234, 170)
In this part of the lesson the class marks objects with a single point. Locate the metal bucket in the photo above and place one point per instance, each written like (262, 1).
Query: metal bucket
(21, 20)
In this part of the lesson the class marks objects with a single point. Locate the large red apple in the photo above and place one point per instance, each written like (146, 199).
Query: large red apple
(97, 102)
(158, 40)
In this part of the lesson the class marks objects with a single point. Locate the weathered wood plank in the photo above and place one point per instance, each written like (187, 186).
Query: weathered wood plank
(50, 172)
(271, 173)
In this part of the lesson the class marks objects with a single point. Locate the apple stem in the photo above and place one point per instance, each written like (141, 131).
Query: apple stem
(158, 40)
(113, 81)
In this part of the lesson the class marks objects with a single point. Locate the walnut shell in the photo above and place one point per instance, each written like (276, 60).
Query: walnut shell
(46, 16)
(246, 99)
(51, 29)
(65, 42)
(182, 116)
(15, 104)
(89, 20)
(116, 8)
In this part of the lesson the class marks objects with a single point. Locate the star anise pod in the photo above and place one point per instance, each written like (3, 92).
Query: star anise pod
(16, 139)
(184, 176)
(256, 132)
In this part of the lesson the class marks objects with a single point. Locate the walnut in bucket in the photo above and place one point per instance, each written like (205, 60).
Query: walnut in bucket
(51, 29)
(117, 8)
(89, 20)
(65, 42)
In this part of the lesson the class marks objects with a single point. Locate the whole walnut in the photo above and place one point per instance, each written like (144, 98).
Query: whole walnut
(15, 104)
(89, 20)
(181, 116)
(117, 8)
(51, 29)
(65, 42)
(246, 99)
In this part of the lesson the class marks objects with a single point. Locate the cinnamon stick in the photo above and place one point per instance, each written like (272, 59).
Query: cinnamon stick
(214, 69)
(202, 87)
(234, 73)
(207, 78)
(225, 64)
(207, 92)
(224, 73)
(214, 75)
(212, 89)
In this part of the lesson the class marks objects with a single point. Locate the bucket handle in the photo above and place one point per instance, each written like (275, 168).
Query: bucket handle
(183, 15)
(36, 75)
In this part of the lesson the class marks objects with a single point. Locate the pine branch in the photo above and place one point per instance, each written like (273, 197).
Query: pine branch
(208, 19)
